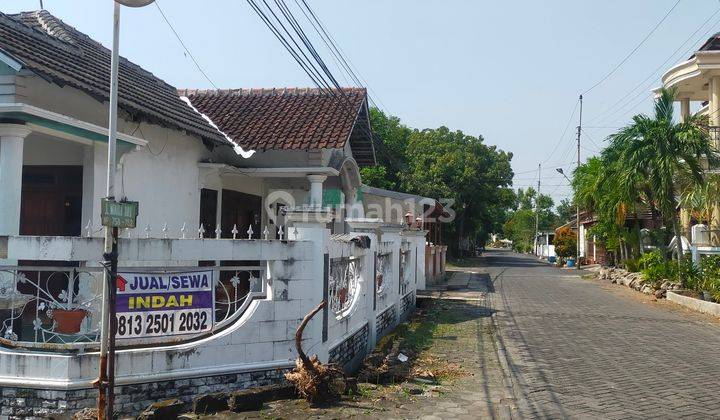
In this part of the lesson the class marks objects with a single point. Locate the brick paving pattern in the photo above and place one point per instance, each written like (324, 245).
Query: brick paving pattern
(538, 342)
(578, 350)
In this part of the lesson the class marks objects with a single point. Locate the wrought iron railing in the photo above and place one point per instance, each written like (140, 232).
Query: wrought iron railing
(343, 283)
(405, 271)
(383, 272)
(59, 307)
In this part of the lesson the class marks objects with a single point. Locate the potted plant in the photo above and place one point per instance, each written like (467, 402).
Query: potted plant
(67, 315)
(68, 321)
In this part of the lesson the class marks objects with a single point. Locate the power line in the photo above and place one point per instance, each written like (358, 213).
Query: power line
(629, 98)
(323, 77)
(347, 63)
(590, 138)
(659, 68)
(562, 136)
(627, 57)
(187, 50)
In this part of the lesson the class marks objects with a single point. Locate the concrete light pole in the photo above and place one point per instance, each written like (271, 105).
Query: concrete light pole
(107, 340)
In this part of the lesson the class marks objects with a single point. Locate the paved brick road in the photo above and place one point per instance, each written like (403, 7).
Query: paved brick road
(555, 346)
(583, 349)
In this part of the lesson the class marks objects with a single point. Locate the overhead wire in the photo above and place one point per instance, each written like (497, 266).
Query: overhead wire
(182, 43)
(632, 103)
(634, 50)
(659, 68)
(352, 70)
(562, 136)
(324, 80)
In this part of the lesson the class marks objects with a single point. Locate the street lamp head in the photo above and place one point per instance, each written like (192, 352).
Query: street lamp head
(135, 3)
(560, 170)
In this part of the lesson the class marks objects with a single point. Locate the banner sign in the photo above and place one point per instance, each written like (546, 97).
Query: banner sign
(158, 304)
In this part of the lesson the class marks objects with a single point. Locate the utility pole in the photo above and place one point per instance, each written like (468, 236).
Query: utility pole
(537, 211)
(108, 323)
(577, 204)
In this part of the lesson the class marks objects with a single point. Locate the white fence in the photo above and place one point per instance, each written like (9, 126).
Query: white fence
(369, 279)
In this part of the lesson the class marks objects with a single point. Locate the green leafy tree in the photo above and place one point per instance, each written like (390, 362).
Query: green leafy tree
(565, 243)
(566, 211)
(520, 225)
(473, 178)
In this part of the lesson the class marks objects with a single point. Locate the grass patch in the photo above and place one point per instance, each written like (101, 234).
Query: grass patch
(418, 335)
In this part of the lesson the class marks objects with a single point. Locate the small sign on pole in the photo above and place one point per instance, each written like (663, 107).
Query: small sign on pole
(119, 214)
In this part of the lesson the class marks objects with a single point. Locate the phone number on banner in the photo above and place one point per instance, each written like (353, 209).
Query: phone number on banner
(150, 324)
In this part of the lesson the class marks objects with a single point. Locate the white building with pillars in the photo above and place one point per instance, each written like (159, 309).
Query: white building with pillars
(281, 229)
(697, 84)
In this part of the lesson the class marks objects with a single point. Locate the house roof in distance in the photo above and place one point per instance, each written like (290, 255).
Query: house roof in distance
(63, 55)
(290, 118)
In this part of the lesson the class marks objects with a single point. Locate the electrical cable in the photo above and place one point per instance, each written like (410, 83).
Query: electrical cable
(634, 50)
(659, 68)
(187, 50)
(562, 136)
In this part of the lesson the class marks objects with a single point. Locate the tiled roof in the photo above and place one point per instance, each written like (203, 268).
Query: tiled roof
(63, 55)
(712, 44)
(287, 119)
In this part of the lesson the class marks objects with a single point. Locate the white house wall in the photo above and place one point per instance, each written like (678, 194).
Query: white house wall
(163, 177)
(40, 149)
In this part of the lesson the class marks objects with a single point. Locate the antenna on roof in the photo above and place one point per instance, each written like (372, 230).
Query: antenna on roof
(41, 5)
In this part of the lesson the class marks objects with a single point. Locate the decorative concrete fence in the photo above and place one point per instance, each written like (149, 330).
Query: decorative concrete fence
(435, 258)
(261, 289)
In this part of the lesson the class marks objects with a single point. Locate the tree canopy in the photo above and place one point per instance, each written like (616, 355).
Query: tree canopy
(471, 177)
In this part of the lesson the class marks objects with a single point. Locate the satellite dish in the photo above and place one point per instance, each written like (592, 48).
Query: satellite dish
(135, 3)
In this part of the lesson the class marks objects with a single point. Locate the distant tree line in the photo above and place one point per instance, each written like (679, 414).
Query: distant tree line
(445, 164)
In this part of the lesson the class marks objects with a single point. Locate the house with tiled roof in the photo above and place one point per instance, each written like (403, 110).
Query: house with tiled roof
(225, 150)
(304, 140)
(251, 211)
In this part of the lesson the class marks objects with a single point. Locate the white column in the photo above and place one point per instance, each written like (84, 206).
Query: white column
(310, 225)
(714, 113)
(684, 109)
(714, 105)
(12, 137)
(316, 189)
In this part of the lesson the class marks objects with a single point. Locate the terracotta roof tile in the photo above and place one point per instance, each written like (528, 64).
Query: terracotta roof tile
(283, 118)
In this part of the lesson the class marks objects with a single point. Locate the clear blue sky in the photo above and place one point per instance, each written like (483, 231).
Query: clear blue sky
(509, 71)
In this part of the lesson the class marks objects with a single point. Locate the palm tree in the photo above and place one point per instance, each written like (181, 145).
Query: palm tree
(602, 188)
(657, 149)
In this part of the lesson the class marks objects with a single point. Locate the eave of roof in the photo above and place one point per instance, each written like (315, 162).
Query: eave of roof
(63, 55)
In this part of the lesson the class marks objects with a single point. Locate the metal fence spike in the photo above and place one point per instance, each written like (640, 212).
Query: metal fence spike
(201, 231)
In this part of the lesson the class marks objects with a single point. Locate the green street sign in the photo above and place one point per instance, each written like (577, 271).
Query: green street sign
(119, 214)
